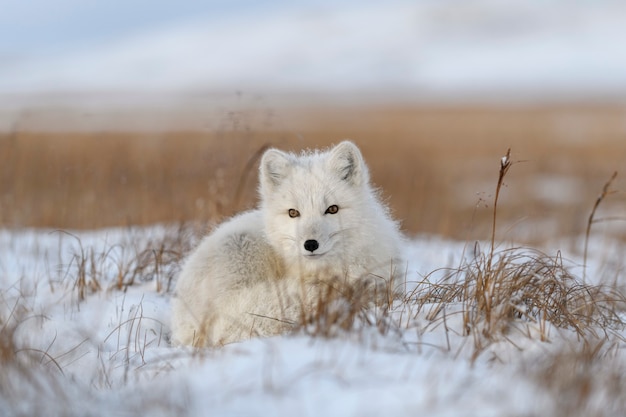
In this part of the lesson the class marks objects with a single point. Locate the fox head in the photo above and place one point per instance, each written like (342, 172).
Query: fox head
(314, 204)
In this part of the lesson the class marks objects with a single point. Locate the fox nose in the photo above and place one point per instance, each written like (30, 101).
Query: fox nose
(311, 245)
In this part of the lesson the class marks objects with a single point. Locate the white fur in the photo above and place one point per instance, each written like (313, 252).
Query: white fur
(250, 276)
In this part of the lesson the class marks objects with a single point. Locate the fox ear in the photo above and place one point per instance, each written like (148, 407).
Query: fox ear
(346, 161)
(275, 166)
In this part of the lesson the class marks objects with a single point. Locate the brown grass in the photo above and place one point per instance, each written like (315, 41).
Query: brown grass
(604, 194)
(28, 375)
(138, 259)
(340, 308)
(498, 290)
(433, 164)
(585, 379)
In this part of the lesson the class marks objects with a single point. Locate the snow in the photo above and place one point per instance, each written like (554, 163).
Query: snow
(109, 353)
(408, 49)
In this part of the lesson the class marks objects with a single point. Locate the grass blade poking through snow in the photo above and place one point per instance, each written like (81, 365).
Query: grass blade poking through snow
(605, 192)
(505, 164)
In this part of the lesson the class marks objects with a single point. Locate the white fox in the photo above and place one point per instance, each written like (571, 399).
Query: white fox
(319, 219)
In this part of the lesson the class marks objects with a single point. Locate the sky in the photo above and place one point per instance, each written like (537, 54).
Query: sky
(34, 27)
(424, 47)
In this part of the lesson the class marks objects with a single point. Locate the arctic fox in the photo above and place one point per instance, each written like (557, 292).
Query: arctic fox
(319, 219)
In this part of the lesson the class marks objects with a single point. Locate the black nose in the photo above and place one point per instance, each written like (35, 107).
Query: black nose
(311, 245)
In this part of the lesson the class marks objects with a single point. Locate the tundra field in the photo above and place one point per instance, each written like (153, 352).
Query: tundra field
(513, 302)
(434, 165)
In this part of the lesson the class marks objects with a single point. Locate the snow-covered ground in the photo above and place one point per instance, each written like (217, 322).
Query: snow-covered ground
(108, 354)
(412, 49)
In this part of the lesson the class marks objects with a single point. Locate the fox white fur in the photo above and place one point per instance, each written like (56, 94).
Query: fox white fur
(319, 219)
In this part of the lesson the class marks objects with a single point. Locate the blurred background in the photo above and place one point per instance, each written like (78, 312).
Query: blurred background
(119, 113)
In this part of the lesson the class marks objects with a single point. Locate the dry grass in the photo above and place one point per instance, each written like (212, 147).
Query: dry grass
(28, 375)
(139, 259)
(498, 290)
(583, 379)
(36, 381)
(604, 194)
(341, 308)
(536, 287)
(434, 165)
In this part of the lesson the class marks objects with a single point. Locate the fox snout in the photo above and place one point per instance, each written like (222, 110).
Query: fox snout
(311, 245)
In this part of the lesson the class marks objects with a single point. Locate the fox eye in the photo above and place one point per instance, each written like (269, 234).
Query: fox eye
(293, 213)
(332, 209)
